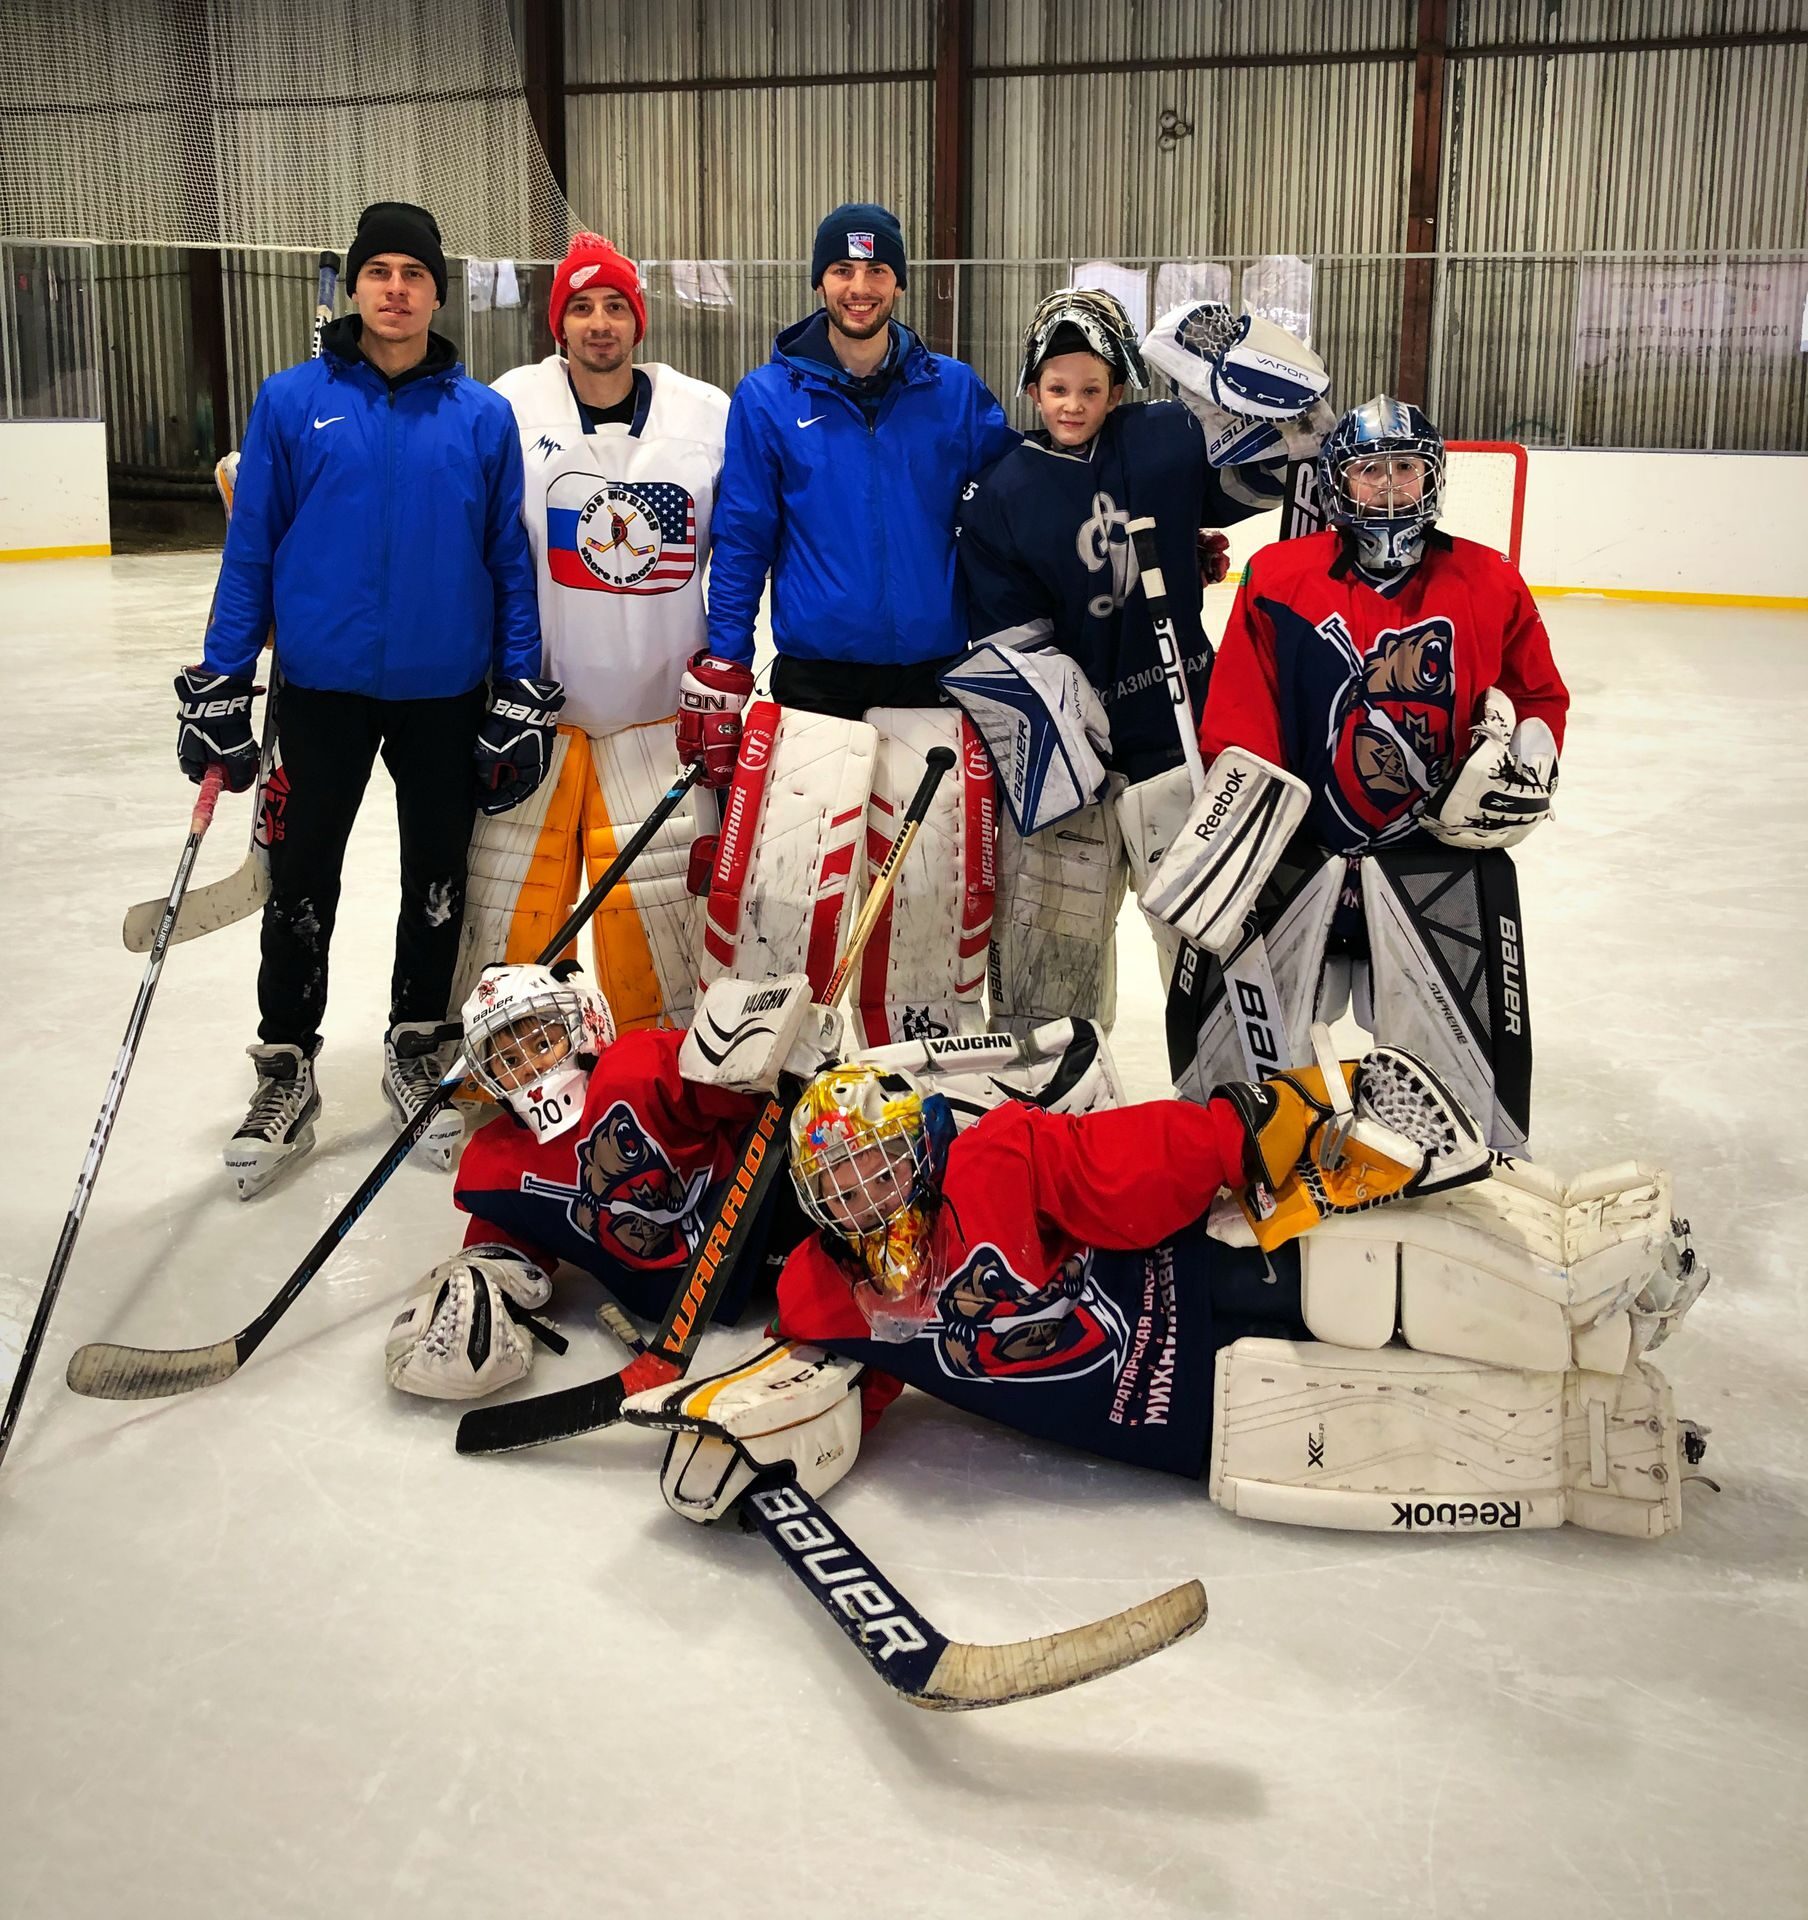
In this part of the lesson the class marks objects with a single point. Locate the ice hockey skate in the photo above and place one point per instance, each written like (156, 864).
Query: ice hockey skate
(416, 1054)
(279, 1124)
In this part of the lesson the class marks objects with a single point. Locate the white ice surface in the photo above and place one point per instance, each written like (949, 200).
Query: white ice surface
(274, 1650)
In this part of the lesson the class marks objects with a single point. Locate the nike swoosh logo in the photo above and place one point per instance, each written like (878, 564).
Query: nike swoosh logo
(812, 420)
(318, 424)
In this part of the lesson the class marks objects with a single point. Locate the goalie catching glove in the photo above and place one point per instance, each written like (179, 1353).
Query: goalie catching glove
(787, 1403)
(456, 1337)
(1345, 1136)
(1257, 391)
(1504, 788)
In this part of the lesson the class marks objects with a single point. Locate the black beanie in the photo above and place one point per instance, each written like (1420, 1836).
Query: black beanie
(393, 226)
(858, 231)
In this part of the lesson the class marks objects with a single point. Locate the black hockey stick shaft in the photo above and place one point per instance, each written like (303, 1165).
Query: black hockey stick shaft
(109, 1372)
(1167, 644)
(199, 821)
(569, 1411)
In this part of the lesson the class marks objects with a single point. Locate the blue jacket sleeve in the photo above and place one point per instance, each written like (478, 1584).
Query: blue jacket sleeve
(744, 530)
(515, 648)
(263, 507)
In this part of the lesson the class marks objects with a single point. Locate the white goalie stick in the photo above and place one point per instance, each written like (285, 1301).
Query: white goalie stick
(223, 902)
(1248, 977)
(913, 1658)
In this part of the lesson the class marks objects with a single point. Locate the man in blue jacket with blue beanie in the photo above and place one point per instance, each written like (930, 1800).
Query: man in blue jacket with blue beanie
(845, 460)
(377, 522)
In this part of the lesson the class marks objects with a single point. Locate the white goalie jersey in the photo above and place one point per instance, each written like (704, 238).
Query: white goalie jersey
(619, 520)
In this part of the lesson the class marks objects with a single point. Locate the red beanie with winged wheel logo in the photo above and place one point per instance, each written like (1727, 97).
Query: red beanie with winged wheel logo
(592, 262)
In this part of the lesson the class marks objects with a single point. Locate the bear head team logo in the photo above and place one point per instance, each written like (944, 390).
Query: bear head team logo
(991, 1325)
(620, 537)
(629, 1197)
(1391, 725)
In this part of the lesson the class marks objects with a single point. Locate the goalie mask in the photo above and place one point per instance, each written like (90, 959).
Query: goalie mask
(867, 1155)
(1381, 477)
(1101, 326)
(532, 1035)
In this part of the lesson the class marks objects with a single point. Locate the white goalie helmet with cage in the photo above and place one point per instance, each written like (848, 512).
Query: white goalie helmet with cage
(532, 1035)
(1102, 327)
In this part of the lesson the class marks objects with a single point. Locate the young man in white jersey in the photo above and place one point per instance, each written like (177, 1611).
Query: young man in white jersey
(622, 462)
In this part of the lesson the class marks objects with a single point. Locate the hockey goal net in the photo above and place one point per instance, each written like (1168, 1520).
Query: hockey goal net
(1484, 493)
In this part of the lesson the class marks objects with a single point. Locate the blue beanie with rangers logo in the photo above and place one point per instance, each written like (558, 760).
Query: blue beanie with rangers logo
(858, 231)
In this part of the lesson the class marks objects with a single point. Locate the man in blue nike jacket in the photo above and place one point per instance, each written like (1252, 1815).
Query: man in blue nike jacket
(842, 474)
(845, 460)
(377, 522)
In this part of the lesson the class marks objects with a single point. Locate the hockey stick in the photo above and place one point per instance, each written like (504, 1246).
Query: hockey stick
(111, 1101)
(224, 902)
(104, 1371)
(925, 1666)
(900, 1646)
(569, 1411)
(1247, 973)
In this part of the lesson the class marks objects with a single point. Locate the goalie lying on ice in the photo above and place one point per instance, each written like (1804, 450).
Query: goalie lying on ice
(612, 1154)
(1468, 1359)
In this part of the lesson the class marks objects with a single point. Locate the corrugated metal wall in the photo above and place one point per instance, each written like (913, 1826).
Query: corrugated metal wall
(1692, 155)
(694, 136)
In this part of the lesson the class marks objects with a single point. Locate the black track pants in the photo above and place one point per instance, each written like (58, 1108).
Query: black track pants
(329, 742)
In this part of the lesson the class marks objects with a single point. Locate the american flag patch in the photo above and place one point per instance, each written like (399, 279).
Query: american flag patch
(860, 246)
(622, 537)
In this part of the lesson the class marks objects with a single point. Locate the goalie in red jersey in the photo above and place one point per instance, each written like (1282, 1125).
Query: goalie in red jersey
(1383, 722)
(1070, 1276)
(603, 1157)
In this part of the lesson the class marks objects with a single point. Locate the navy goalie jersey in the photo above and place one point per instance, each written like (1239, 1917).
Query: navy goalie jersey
(1045, 556)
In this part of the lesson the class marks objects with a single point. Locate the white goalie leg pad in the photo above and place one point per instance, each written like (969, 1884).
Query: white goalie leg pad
(787, 1402)
(924, 968)
(517, 868)
(1206, 884)
(1054, 924)
(454, 1338)
(1296, 953)
(1149, 815)
(1062, 1067)
(1397, 1441)
(526, 868)
(645, 933)
(1511, 1271)
(783, 889)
